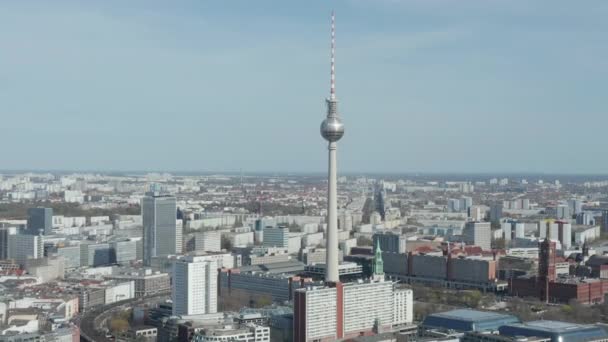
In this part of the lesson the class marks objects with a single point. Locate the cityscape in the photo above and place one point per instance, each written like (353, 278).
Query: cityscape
(295, 256)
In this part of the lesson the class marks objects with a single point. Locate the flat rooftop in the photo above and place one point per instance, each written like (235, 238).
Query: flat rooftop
(553, 326)
(470, 315)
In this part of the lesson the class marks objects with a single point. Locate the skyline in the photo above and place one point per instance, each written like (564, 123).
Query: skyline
(61, 87)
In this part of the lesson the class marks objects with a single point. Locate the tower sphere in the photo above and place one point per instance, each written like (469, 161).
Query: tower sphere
(332, 129)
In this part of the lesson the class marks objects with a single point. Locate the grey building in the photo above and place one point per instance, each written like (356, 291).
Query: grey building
(123, 252)
(147, 282)
(22, 247)
(478, 234)
(4, 234)
(40, 220)
(161, 234)
(390, 242)
(94, 254)
(71, 256)
(276, 237)
(495, 213)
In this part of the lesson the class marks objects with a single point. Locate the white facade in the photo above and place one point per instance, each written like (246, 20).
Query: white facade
(120, 292)
(250, 333)
(321, 313)
(478, 234)
(403, 306)
(194, 289)
(366, 303)
(209, 241)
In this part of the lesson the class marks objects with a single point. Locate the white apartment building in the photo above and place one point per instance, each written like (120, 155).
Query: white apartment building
(348, 310)
(194, 289)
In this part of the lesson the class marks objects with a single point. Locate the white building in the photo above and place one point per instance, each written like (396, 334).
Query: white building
(209, 241)
(247, 333)
(194, 289)
(478, 234)
(349, 310)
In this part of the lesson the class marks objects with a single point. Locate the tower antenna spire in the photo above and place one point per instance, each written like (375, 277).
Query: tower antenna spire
(332, 90)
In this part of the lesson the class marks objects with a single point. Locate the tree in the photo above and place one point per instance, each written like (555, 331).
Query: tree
(119, 325)
(499, 243)
(364, 241)
(226, 243)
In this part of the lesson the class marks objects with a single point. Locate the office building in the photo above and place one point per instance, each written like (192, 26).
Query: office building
(123, 252)
(465, 203)
(453, 205)
(22, 247)
(71, 256)
(563, 212)
(147, 282)
(5, 232)
(575, 206)
(276, 237)
(194, 289)
(478, 234)
(95, 254)
(40, 220)
(390, 242)
(162, 236)
(495, 213)
(209, 241)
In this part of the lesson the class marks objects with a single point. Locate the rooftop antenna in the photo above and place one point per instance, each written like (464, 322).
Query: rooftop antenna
(332, 90)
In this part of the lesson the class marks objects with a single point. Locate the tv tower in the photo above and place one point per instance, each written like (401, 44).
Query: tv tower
(332, 130)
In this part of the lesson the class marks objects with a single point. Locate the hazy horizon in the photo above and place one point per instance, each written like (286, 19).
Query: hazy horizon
(425, 86)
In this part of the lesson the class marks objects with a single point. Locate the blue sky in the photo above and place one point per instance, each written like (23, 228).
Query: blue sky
(424, 85)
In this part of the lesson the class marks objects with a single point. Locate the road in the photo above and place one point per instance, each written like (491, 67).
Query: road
(95, 318)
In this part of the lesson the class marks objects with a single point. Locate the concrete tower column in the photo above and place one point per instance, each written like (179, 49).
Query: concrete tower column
(332, 217)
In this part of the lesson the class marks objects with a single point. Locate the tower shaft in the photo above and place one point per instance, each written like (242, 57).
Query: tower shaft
(331, 261)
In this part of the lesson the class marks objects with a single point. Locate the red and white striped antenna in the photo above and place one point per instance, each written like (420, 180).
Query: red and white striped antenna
(332, 91)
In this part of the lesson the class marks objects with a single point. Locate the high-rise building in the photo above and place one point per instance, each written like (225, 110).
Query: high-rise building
(564, 234)
(453, 205)
(349, 310)
(390, 242)
(563, 212)
(478, 234)
(495, 213)
(276, 237)
(5, 232)
(194, 289)
(604, 223)
(575, 206)
(40, 220)
(123, 252)
(465, 203)
(22, 247)
(162, 236)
